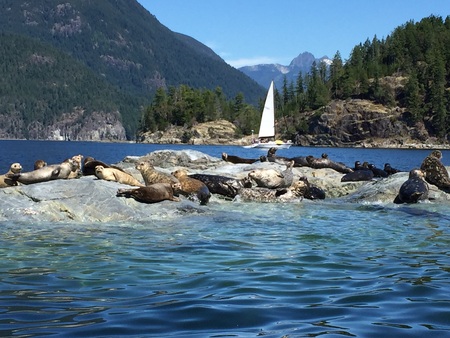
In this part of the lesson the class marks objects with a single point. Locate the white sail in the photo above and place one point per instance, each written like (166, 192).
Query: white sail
(267, 127)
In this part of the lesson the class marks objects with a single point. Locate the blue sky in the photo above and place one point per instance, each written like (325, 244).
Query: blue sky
(249, 32)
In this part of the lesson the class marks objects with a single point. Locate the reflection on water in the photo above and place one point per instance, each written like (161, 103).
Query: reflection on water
(305, 269)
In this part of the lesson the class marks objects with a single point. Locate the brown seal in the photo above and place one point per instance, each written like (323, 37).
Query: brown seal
(435, 171)
(115, 175)
(273, 179)
(47, 173)
(153, 193)
(5, 181)
(238, 160)
(151, 175)
(190, 186)
(38, 164)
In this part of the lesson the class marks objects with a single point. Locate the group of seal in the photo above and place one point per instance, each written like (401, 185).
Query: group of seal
(46, 173)
(260, 184)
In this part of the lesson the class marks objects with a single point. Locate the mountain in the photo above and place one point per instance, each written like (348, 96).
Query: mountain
(118, 42)
(265, 73)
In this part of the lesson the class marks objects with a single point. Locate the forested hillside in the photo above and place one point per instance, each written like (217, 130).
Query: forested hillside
(405, 79)
(409, 69)
(120, 42)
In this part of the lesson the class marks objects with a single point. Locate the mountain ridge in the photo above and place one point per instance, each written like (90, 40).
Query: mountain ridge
(263, 74)
(123, 43)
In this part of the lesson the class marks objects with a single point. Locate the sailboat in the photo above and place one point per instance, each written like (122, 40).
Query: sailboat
(267, 126)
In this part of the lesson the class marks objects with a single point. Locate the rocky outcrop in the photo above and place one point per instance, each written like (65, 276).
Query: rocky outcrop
(360, 123)
(351, 123)
(90, 200)
(215, 132)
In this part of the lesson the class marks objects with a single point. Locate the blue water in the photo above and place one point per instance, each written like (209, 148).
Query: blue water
(318, 268)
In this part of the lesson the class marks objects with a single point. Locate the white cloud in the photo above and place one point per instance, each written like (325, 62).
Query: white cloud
(259, 60)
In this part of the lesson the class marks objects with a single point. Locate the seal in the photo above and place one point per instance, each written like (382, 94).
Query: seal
(47, 173)
(377, 172)
(435, 171)
(222, 185)
(266, 195)
(312, 192)
(238, 160)
(358, 175)
(299, 161)
(153, 193)
(414, 189)
(38, 164)
(90, 163)
(115, 175)
(271, 178)
(390, 170)
(325, 162)
(5, 181)
(77, 172)
(192, 187)
(151, 175)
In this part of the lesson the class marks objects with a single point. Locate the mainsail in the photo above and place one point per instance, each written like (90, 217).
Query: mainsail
(267, 126)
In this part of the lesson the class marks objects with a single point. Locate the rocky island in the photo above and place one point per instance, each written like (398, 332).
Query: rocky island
(88, 199)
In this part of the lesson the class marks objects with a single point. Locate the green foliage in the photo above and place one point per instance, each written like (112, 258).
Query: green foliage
(123, 44)
(184, 106)
(39, 83)
(416, 51)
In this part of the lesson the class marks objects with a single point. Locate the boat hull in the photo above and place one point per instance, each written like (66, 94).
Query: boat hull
(268, 145)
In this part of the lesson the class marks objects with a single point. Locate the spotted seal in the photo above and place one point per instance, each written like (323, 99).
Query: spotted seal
(77, 172)
(272, 178)
(115, 175)
(152, 193)
(267, 195)
(414, 189)
(192, 187)
(435, 171)
(6, 181)
(47, 173)
(222, 185)
(151, 175)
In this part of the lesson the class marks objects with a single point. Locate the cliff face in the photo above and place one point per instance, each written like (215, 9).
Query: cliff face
(360, 123)
(96, 126)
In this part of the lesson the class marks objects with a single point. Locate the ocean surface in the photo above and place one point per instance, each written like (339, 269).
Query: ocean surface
(316, 268)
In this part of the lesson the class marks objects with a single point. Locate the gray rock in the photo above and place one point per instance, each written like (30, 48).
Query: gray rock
(83, 200)
(90, 200)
